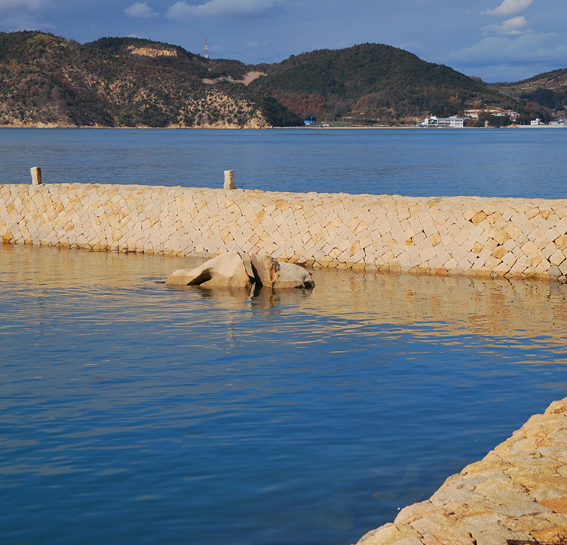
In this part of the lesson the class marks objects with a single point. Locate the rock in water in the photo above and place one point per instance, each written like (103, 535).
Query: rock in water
(289, 276)
(224, 271)
(264, 269)
(280, 275)
(233, 270)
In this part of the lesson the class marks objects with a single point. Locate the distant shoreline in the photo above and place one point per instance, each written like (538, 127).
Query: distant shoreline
(536, 127)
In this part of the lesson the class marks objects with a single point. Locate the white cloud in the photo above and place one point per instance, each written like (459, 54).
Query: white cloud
(411, 46)
(255, 44)
(6, 5)
(526, 48)
(141, 10)
(181, 11)
(514, 26)
(511, 27)
(509, 7)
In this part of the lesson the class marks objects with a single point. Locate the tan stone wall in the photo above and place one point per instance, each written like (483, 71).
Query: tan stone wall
(516, 494)
(450, 235)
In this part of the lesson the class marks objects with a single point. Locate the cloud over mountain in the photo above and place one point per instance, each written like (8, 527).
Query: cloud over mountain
(182, 11)
(510, 27)
(141, 10)
(528, 47)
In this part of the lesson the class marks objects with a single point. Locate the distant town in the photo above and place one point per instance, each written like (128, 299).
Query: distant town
(471, 116)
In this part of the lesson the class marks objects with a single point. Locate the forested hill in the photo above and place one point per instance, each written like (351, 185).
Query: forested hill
(129, 82)
(369, 81)
(548, 90)
(125, 82)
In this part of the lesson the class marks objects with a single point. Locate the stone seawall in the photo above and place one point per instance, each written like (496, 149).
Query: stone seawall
(445, 236)
(516, 495)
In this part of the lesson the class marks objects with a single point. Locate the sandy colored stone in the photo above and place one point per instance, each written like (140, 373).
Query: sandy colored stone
(502, 491)
(558, 505)
(526, 524)
(497, 535)
(224, 271)
(443, 529)
(390, 534)
(409, 541)
(546, 493)
(455, 236)
(455, 492)
(417, 510)
(521, 508)
(508, 482)
(550, 535)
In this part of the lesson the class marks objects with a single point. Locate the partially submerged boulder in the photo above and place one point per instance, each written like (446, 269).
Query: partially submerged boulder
(264, 268)
(224, 271)
(233, 270)
(279, 274)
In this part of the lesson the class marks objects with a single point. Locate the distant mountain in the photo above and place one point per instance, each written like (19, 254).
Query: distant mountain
(125, 82)
(46, 80)
(547, 90)
(369, 83)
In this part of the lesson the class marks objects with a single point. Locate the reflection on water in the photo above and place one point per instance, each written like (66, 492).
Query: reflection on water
(133, 412)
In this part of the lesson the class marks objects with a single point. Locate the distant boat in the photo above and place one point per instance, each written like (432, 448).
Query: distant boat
(451, 122)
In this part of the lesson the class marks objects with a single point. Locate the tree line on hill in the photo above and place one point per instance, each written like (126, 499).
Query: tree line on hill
(131, 82)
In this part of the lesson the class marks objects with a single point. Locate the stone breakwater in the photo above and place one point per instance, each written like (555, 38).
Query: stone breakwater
(444, 236)
(516, 494)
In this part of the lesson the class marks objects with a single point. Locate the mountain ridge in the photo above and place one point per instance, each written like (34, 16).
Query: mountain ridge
(47, 80)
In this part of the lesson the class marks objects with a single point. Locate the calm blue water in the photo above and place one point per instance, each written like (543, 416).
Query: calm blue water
(135, 413)
(500, 163)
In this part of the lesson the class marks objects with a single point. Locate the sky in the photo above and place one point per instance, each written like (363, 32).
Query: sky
(497, 40)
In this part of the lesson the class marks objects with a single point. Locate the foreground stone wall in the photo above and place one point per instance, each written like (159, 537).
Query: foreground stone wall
(516, 494)
(444, 236)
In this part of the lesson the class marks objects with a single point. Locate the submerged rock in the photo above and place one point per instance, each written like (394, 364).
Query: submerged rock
(233, 270)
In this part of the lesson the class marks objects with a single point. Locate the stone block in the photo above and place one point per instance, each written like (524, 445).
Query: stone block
(36, 175)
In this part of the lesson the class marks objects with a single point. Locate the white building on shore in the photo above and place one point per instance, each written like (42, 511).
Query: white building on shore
(450, 122)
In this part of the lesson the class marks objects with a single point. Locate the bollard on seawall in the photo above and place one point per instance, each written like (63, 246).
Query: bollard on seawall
(36, 175)
(229, 179)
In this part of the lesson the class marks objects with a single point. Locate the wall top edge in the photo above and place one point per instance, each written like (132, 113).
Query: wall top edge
(367, 197)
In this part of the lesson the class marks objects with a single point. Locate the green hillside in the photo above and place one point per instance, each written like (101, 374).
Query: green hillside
(123, 82)
(372, 82)
(547, 90)
(46, 80)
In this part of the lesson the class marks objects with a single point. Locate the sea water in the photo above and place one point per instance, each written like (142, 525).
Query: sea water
(420, 162)
(136, 413)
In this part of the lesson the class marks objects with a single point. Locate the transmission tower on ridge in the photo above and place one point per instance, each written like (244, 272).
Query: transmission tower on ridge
(206, 49)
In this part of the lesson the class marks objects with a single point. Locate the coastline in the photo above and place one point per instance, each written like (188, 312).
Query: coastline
(233, 128)
(516, 494)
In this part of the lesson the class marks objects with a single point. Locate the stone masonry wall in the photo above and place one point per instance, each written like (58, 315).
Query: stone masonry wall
(516, 495)
(444, 236)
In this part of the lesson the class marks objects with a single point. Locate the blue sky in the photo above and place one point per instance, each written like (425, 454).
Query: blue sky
(498, 40)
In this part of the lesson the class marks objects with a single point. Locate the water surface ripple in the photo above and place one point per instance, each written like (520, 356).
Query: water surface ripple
(136, 413)
(489, 163)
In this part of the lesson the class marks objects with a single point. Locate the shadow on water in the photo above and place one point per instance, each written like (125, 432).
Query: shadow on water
(137, 412)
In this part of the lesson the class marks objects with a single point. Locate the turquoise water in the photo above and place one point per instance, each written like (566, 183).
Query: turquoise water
(136, 413)
(499, 163)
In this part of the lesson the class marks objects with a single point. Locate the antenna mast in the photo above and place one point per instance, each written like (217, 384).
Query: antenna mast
(206, 49)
